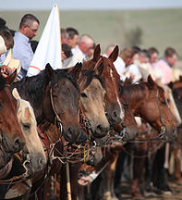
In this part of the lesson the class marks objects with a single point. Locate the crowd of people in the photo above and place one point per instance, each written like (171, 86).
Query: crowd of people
(133, 63)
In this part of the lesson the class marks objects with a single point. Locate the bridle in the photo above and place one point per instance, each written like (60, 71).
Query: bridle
(163, 127)
(57, 120)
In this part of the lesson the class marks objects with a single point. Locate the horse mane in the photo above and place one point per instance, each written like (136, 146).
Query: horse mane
(2, 82)
(133, 91)
(34, 86)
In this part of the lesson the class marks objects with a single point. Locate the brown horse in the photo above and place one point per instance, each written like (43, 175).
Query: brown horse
(54, 96)
(142, 100)
(111, 79)
(147, 101)
(11, 135)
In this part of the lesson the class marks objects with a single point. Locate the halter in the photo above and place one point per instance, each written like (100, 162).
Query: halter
(84, 121)
(58, 120)
(81, 153)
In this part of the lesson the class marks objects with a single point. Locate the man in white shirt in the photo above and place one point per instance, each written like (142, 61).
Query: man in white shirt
(82, 51)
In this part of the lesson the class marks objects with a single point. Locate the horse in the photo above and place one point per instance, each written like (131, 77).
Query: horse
(106, 71)
(176, 88)
(92, 103)
(11, 135)
(147, 101)
(32, 158)
(35, 152)
(92, 100)
(54, 96)
(111, 80)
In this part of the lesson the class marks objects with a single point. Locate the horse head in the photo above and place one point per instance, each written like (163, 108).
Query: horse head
(93, 102)
(10, 132)
(155, 110)
(61, 103)
(35, 155)
(111, 80)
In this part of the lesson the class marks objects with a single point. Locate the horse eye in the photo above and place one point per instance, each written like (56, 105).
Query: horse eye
(1, 104)
(83, 95)
(54, 96)
(163, 102)
(26, 125)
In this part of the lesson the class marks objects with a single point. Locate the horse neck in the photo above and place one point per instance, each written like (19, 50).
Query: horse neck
(33, 90)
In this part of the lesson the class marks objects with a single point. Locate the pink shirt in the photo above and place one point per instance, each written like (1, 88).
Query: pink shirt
(166, 71)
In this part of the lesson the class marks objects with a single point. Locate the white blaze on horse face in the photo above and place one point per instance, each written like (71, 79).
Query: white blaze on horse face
(121, 109)
(111, 73)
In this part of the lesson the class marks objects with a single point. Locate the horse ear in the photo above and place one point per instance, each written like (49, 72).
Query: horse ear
(97, 52)
(49, 71)
(16, 94)
(151, 82)
(10, 79)
(113, 56)
(75, 71)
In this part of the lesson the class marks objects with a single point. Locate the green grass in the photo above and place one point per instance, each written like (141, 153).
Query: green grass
(161, 28)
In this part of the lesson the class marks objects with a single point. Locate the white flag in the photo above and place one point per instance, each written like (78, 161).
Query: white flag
(49, 47)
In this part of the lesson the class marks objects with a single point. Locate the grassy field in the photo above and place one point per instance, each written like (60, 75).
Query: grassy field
(160, 28)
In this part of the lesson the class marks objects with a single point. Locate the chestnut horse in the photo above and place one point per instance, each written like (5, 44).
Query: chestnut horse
(11, 135)
(111, 79)
(31, 160)
(147, 101)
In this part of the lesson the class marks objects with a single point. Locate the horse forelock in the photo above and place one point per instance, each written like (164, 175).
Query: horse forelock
(64, 74)
(89, 75)
(110, 67)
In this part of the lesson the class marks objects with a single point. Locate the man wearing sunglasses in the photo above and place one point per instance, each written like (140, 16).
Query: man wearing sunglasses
(22, 46)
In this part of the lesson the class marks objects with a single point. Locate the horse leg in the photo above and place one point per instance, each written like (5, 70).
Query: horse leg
(161, 181)
(177, 158)
(106, 190)
(140, 153)
(148, 175)
(119, 169)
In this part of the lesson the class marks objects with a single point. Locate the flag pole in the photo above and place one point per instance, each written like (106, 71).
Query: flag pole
(59, 31)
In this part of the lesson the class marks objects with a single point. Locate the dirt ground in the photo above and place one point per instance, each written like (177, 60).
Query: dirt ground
(176, 193)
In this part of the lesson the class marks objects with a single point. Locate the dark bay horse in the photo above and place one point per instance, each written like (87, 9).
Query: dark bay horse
(11, 136)
(54, 96)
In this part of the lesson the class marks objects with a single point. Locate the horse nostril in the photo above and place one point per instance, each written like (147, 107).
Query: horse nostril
(42, 161)
(99, 128)
(115, 115)
(17, 143)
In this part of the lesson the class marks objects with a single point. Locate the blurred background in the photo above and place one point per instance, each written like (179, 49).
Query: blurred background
(142, 23)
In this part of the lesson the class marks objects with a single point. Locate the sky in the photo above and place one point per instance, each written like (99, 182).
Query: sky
(88, 4)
